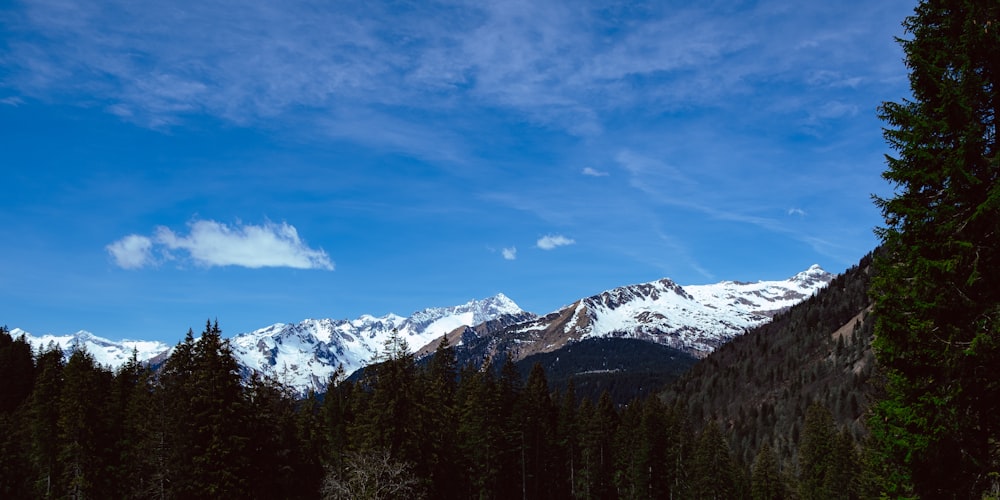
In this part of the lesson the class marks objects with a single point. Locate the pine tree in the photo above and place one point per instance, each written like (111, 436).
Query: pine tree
(937, 302)
(478, 433)
(437, 416)
(141, 465)
(337, 416)
(218, 418)
(17, 371)
(85, 437)
(816, 454)
(538, 435)
(567, 430)
(17, 378)
(712, 464)
(766, 478)
(44, 418)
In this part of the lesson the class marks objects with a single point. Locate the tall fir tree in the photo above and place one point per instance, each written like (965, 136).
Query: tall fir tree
(765, 479)
(84, 425)
(17, 379)
(936, 297)
(816, 453)
(44, 418)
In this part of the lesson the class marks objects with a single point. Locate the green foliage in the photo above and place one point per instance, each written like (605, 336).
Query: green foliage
(766, 478)
(195, 430)
(935, 290)
(763, 381)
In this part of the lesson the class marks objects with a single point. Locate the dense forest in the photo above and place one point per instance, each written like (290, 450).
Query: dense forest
(760, 385)
(885, 384)
(404, 430)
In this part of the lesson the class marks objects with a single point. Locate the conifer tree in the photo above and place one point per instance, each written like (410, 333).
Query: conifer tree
(567, 431)
(17, 377)
(478, 433)
(17, 371)
(816, 454)
(437, 416)
(712, 464)
(538, 434)
(84, 429)
(766, 478)
(44, 418)
(937, 302)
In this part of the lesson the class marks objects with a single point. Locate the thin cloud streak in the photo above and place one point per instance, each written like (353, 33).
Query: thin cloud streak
(557, 64)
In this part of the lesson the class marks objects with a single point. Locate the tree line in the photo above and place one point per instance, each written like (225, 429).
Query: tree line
(73, 429)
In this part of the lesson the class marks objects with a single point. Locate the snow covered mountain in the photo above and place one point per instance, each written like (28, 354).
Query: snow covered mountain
(304, 355)
(106, 352)
(695, 318)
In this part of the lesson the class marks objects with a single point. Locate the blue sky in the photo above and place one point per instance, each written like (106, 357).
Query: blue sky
(262, 162)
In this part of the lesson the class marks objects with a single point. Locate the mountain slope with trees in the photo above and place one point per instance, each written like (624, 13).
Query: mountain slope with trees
(760, 386)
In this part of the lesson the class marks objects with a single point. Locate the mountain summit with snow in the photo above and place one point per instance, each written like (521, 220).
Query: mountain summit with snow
(303, 355)
(694, 318)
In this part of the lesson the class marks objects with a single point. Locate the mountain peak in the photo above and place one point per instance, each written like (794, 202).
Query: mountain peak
(812, 276)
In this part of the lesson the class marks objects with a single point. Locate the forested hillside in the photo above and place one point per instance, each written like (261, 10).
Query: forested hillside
(191, 430)
(759, 386)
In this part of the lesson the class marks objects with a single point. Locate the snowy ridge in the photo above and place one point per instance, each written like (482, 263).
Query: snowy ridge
(693, 318)
(106, 352)
(304, 355)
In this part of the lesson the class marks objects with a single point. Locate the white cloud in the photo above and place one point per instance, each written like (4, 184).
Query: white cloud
(211, 243)
(593, 172)
(796, 211)
(509, 253)
(132, 252)
(550, 241)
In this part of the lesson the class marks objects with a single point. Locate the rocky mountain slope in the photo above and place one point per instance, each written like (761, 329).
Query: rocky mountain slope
(694, 319)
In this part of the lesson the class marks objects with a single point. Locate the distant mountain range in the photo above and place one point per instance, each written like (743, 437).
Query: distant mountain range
(693, 319)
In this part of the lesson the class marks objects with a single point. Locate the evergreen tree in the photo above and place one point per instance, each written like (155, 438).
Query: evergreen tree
(712, 464)
(17, 371)
(17, 377)
(936, 294)
(478, 433)
(141, 457)
(766, 478)
(509, 392)
(387, 420)
(273, 452)
(816, 454)
(337, 416)
(203, 427)
(567, 430)
(437, 416)
(538, 435)
(598, 426)
(44, 418)
(85, 439)
(217, 419)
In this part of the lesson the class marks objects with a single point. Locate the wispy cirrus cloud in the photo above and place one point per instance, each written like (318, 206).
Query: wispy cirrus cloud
(213, 244)
(592, 172)
(561, 64)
